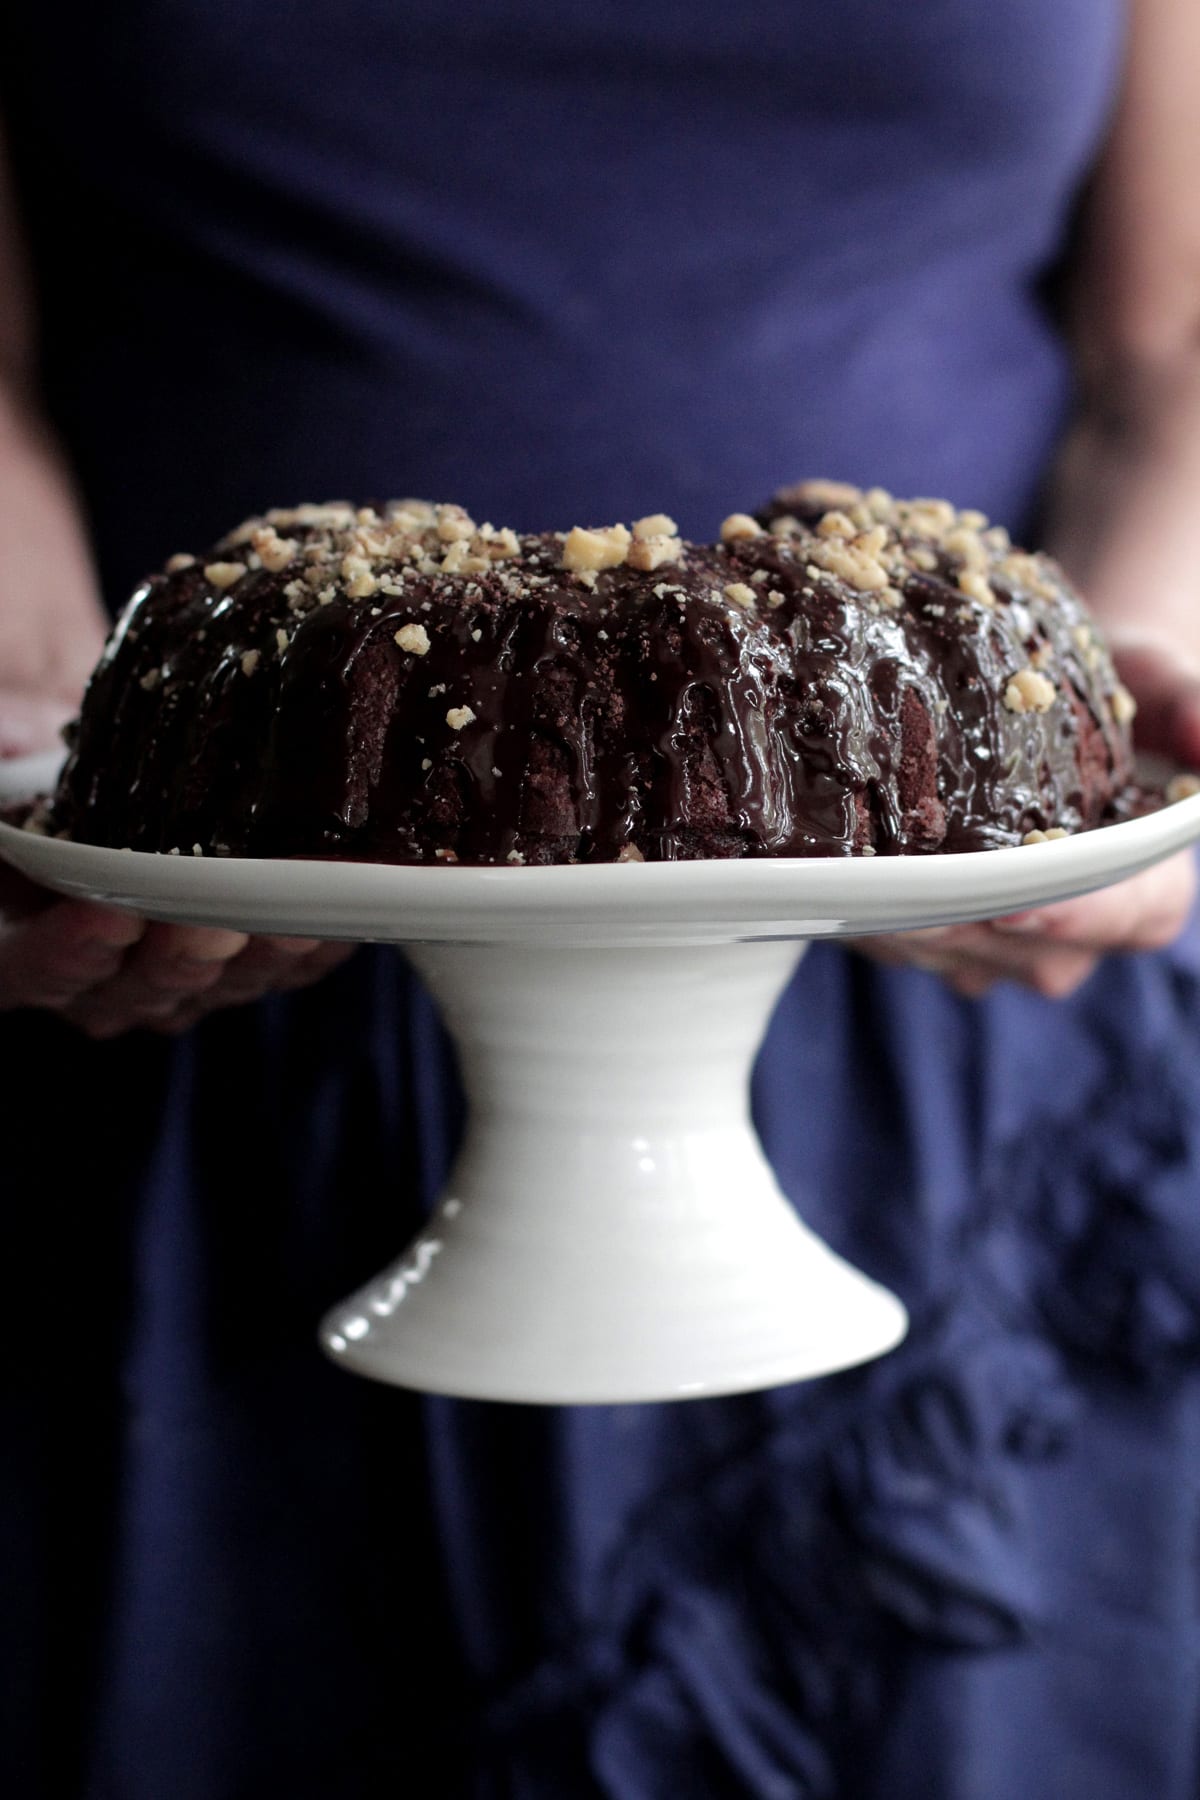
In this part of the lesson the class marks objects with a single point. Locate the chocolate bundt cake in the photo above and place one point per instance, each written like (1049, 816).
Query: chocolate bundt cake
(845, 674)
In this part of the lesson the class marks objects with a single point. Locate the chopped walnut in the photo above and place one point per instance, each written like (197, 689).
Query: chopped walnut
(655, 525)
(1029, 692)
(150, 680)
(774, 599)
(274, 552)
(975, 587)
(459, 559)
(933, 518)
(648, 553)
(282, 640)
(825, 494)
(358, 577)
(224, 574)
(250, 661)
(182, 561)
(332, 515)
(858, 568)
(835, 524)
(967, 544)
(1023, 569)
(1124, 705)
(1044, 837)
(413, 638)
(741, 595)
(596, 549)
(458, 716)
(629, 853)
(454, 524)
(739, 525)
(1182, 787)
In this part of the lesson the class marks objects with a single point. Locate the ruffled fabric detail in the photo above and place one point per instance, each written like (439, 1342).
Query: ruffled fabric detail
(1092, 1217)
(752, 1617)
(748, 1638)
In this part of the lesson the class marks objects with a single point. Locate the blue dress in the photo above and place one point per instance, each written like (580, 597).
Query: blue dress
(574, 263)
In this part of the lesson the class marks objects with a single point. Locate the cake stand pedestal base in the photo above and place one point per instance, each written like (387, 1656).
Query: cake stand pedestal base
(611, 1230)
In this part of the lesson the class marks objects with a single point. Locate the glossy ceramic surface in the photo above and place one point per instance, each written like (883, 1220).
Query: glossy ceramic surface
(611, 1230)
(604, 903)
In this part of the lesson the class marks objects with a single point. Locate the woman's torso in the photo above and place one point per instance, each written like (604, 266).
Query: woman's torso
(568, 263)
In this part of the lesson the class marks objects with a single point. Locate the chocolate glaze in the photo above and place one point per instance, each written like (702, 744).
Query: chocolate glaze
(648, 711)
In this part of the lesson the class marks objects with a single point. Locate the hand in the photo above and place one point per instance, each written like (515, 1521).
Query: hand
(107, 971)
(1054, 949)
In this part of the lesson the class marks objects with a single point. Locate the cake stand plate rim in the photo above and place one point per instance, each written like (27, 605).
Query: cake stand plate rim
(804, 897)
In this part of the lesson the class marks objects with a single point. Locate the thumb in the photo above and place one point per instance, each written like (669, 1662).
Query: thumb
(1165, 682)
(31, 722)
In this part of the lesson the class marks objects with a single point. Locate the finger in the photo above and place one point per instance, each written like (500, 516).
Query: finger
(1147, 912)
(312, 967)
(1052, 970)
(971, 984)
(229, 992)
(1166, 685)
(30, 723)
(63, 950)
(169, 963)
(263, 964)
(172, 960)
(173, 997)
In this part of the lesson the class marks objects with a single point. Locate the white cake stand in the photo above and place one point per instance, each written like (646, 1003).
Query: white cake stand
(611, 1230)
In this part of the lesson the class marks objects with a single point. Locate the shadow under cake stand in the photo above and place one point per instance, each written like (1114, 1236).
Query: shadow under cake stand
(611, 1230)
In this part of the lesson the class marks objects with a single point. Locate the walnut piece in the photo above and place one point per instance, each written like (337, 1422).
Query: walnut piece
(413, 638)
(224, 574)
(655, 525)
(975, 587)
(1029, 691)
(596, 549)
(859, 567)
(824, 494)
(740, 525)
(651, 552)
(454, 524)
(274, 552)
(458, 716)
(1124, 705)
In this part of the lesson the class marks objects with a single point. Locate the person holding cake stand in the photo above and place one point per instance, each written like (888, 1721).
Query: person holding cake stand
(650, 258)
